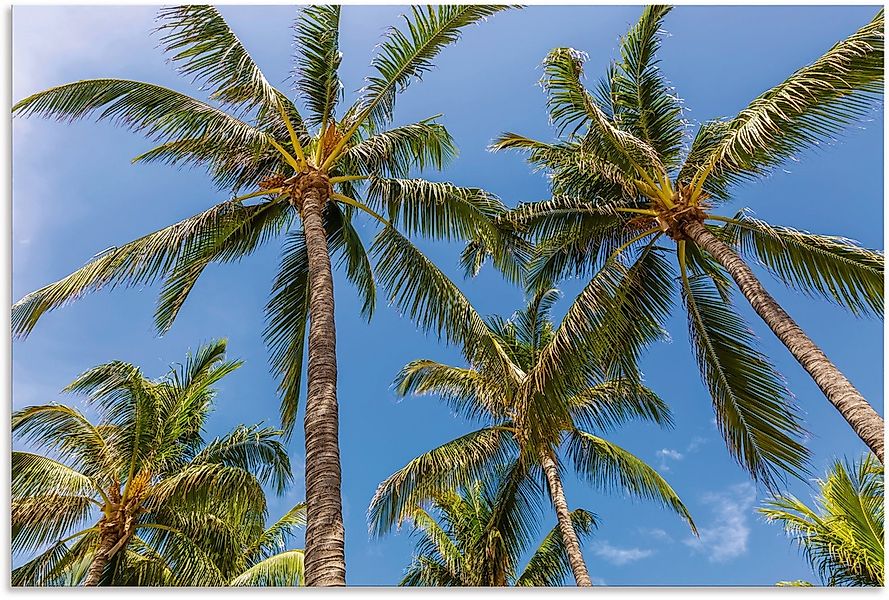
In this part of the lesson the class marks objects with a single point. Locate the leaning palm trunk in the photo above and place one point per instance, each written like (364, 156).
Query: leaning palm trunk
(569, 536)
(100, 561)
(839, 391)
(325, 560)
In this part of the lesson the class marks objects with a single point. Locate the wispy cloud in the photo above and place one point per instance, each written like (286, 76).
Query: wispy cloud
(727, 535)
(656, 534)
(620, 556)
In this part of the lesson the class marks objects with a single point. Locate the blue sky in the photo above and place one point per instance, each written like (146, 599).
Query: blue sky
(76, 193)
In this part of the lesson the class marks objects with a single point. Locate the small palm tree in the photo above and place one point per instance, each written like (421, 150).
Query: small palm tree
(525, 430)
(313, 170)
(622, 183)
(476, 537)
(105, 494)
(842, 536)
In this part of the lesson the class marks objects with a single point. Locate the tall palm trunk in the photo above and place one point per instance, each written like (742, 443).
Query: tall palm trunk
(865, 421)
(569, 536)
(325, 559)
(108, 540)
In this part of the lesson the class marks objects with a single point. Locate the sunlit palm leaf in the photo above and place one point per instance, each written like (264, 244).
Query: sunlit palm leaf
(611, 467)
(754, 411)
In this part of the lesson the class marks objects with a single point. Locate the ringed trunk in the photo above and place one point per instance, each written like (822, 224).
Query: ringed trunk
(860, 415)
(569, 536)
(325, 559)
(108, 540)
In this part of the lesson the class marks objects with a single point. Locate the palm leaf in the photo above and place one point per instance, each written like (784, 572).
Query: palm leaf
(753, 409)
(283, 569)
(807, 109)
(318, 60)
(549, 566)
(610, 467)
(828, 266)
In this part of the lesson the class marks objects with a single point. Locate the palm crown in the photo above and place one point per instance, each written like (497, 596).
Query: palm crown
(141, 482)
(842, 535)
(525, 427)
(477, 536)
(623, 184)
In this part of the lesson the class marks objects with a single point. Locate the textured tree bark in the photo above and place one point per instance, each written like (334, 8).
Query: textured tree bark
(865, 421)
(569, 536)
(325, 559)
(107, 541)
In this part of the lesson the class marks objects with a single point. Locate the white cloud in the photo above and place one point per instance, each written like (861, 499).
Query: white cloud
(670, 453)
(620, 556)
(727, 535)
(657, 534)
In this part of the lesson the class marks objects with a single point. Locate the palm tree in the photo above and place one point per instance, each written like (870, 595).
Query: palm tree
(99, 494)
(206, 548)
(622, 183)
(526, 428)
(476, 537)
(842, 536)
(252, 136)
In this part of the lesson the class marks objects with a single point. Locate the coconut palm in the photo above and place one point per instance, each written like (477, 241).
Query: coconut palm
(627, 192)
(308, 175)
(103, 492)
(527, 429)
(842, 535)
(477, 536)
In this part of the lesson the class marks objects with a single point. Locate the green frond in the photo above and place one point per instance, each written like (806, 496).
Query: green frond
(255, 450)
(610, 467)
(641, 99)
(426, 295)
(39, 520)
(437, 210)
(832, 267)
(466, 391)
(843, 536)
(233, 240)
(286, 314)
(612, 403)
(343, 240)
(70, 436)
(274, 538)
(754, 411)
(406, 55)
(141, 262)
(549, 566)
(808, 108)
(393, 153)
(449, 466)
(316, 37)
(204, 48)
(283, 569)
(53, 565)
(157, 112)
(36, 475)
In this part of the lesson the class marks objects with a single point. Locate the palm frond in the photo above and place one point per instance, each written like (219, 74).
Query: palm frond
(139, 262)
(283, 569)
(549, 566)
(611, 403)
(252, 449)
(754, 411)
(641, 100)
(316, 36)
(207, 50)
(393, 153)
(449, 466)
(808, 108)
(832, 267)
(159, 113)
(407, 55)
(610, 467)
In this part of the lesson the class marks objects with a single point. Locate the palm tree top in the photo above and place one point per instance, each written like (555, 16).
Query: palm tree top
(627, 191)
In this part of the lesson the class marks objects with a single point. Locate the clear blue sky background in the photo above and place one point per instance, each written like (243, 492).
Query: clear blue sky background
(76, 193)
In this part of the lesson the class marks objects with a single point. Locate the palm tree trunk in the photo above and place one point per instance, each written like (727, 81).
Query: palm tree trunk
(325, 559)
(107, 542)
(865, 421)
(569, 536)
